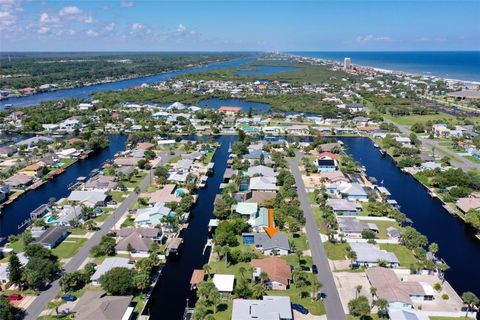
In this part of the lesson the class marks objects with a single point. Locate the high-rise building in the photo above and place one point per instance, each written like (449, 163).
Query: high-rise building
(347, 63)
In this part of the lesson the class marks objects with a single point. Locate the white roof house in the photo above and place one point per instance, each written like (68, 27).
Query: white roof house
(107, 265)
(224, 282)
(270, 308)
(263, 184)
(261, 170)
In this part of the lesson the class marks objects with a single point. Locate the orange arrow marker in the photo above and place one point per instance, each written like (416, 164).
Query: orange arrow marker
(270, 230)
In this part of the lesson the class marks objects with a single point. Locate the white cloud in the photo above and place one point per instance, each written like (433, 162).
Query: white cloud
(126, 4)
(423, 39)
(88, 20)
(181, 28)
(136, 28)
(69, 11)
(372, 38)
(48, 19)
(109, 27)
(92, 33)
(43, 30)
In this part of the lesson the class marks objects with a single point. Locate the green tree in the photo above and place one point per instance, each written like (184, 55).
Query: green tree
(15, 270)
(470, 299)
(7, 311)
(73, 281)
(359, 307)
(118, 281)
(141, 281)
(106, 247)
(382, 306)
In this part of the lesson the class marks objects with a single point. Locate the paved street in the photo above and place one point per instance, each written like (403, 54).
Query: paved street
(465, 164)
(40, 303)
(332, 301)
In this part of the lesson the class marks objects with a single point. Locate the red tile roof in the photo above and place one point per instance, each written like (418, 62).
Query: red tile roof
(230, 109)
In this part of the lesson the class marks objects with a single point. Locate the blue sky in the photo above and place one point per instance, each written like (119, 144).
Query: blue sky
(315, 25)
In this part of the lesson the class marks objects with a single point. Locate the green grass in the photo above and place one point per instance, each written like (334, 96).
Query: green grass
(382, 227)
(129, 222)
(102, 217)
(317, 215)
(117, 196)
(17, 246)
(69, 247)
(311, 197)
(67, 162)
(174, 159)
(299, 241)
(412, 119)
(139, 304)
(222, 267)
(77, 232)
(404, 255)
(473, 159)
(135, 181)
(336, 251)
(423, 179)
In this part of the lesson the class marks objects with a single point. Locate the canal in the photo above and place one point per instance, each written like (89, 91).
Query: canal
(168, 300)
(458, 245)
(18, 211)
(86, 91)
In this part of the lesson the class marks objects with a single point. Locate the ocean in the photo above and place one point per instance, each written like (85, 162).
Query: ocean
(461, 65)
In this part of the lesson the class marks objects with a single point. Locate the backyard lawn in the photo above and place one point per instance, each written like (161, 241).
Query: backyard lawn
(404, 255)
(382, 227)
(299, 241)
(69, 247)
(135, 181)
(117, 196)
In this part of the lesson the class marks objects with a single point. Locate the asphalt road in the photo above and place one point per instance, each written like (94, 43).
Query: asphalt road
(332, 301)
(41, 302)
(464, 164)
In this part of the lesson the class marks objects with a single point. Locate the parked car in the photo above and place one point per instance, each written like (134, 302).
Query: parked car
(14, 297)
(314, 268)
(69, 297)
(299, 308)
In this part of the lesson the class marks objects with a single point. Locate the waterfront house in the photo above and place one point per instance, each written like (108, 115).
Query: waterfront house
(326, 162)
(7, 151)
(228, 174)
(4, 191)
(278, 271)
(152, 216)
(261, 170)
(19, 181)
(108, 264)
(344, 206)
(35, 169)
(248, 209)
(224, 283)
(259, 197)
(353, 191)
(271, 308)
(34, 141)
(138, 239)
(466, 204)
(52, 236)
(263, 184)
(398, 293)
(272, 130)
(277, 245)
(88, 198)
(165, 195)
(351, 227)
(333, 176)
(230, 111)
(105, 183)
(100, 306)
(368, 255)
(70, 125)
(297, 130)
(126, 161)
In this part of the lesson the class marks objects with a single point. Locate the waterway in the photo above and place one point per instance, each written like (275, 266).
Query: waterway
(169, 298)
(85, 92)
(18, 211)
(458, 245)
(216, 103)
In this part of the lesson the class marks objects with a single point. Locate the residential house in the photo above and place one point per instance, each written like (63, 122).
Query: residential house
(344, 206)
(326, 162)
(104, 183)
(88, 198)
(354, 191)
(333, 176)
(368, 255)
(270, 308)
(230, 111)
(138, 239)
(259, 197)
(355, 107)
(351, 227)
(278, 271)
(98, 305)
(152, 216)
(165, 195)
(52, 236)
(297, 130)
(248, 209)
(263, 184)
(276, 245)
(4, 273)
(466, 204)
(7, 151)
(35, 169)
(4, 191)
(261, 170)
(19, 181)
(224, 282)
(126, 161)
(107, 265)
(399, 294)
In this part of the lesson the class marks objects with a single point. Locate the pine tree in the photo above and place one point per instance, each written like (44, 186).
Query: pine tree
(15, 269)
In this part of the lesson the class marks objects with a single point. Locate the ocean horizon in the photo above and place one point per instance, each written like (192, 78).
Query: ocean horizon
(459, 65)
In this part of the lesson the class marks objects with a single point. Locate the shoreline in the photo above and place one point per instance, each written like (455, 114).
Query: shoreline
(391, 71)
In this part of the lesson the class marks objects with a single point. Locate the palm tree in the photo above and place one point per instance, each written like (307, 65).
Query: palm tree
(358, 289)
(316, 287)
(242, 271)
(382, 306)
(258, 291)
(263, 278)
(373, 291)
(207, 268)
(352, 255)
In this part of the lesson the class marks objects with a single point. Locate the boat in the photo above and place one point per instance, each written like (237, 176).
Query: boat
(58, 172)
(376, 145)
(203, 182)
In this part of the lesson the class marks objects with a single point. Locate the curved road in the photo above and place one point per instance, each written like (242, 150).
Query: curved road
(332, 301)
